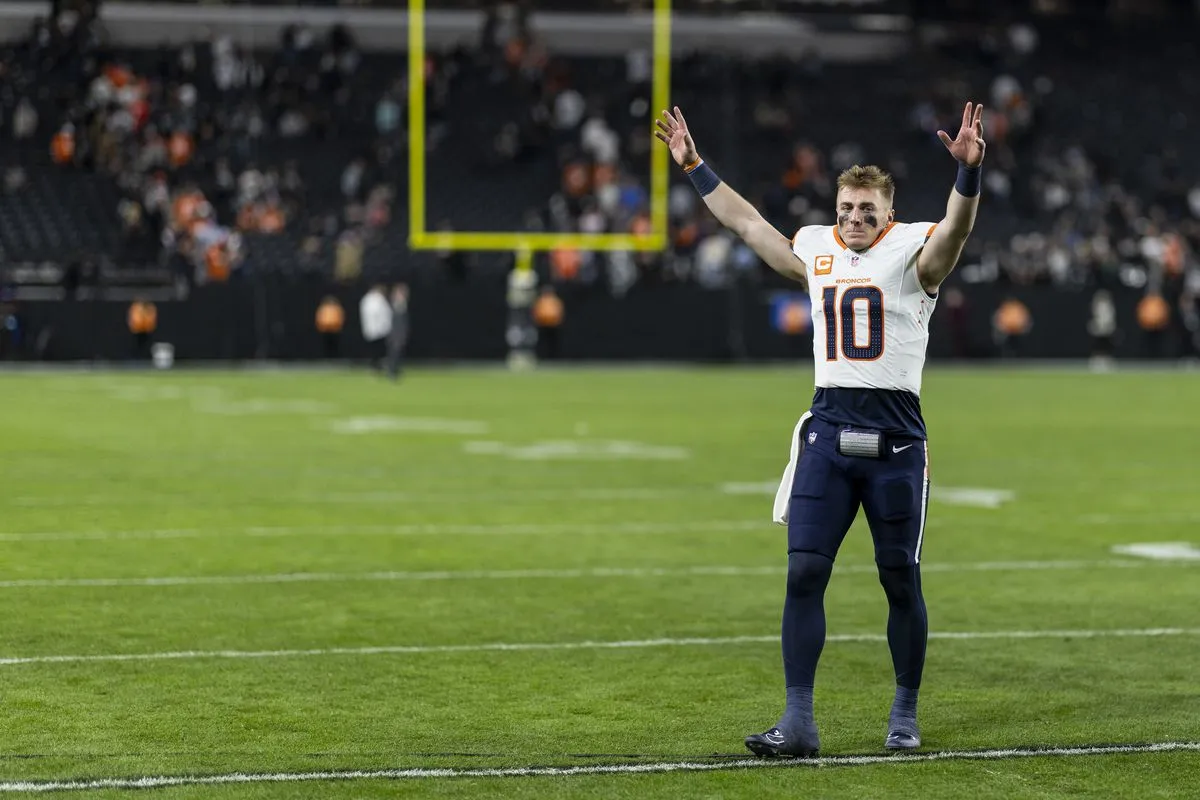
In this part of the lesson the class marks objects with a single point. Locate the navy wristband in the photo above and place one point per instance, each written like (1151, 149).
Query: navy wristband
(968, 180)
(703, 178)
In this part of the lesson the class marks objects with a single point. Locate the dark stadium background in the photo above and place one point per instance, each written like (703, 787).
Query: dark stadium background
(294, 139)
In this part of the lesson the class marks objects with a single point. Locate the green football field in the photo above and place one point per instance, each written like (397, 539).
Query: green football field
(370, 590)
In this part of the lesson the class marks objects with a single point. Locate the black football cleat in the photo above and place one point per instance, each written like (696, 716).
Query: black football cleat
(903, 739)
(773, 743)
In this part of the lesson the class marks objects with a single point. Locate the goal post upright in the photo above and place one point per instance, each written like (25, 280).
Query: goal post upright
(416, 120)
(420, 238)
(660, 98)
(521, 333)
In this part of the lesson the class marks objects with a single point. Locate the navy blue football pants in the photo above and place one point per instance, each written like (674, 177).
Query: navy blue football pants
(829, 487)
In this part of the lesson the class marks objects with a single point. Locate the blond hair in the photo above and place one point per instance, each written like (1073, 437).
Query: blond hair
(868, 177)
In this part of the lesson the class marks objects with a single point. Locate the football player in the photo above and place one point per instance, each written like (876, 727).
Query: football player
(873, 283)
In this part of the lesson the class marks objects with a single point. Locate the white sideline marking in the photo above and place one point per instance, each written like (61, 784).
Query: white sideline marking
(728, 571)
(386, 424)
(102, 536)
(428, 529)
(349, 577)
(134, 393)
(949, 495)
(760, 487)
(970, 496)
(1161, 551)
(581, 449)
(361, 498)
(251, 406)
(215, 400)
(187, 655)
(163, 781)
(514, 529)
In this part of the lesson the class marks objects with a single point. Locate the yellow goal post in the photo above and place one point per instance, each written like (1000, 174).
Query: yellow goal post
(525, 244)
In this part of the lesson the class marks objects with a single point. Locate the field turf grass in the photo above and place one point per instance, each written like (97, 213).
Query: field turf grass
(316, 511)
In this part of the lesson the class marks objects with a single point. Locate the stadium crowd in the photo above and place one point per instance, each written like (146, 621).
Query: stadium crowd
(293, 158)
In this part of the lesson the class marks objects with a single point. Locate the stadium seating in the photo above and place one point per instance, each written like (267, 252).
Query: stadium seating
(63, 211)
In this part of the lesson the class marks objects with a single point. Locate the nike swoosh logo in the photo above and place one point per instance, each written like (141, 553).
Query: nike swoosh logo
(899, 449)
(775, 740)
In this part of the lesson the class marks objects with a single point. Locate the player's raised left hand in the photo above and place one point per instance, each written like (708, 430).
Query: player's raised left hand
(968, 146)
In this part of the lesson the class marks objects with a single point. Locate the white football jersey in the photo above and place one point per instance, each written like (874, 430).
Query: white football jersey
(870, 313)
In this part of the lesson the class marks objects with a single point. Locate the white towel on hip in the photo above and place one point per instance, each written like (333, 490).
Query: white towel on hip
(783, 495)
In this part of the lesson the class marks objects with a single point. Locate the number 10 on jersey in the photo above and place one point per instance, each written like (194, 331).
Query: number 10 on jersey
(842, 313)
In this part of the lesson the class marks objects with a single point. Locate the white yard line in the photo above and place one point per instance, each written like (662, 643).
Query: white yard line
(190, 655)
(716, 570)
(383, 577)
(515, 529)
(949, 495)
(418, 529)
(1160, 551)
(388, 497)
(658, 767)
(104, 536)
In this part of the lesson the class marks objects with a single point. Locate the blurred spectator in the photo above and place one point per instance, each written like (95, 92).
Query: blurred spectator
(565, 263)
(330, 320)
(1010, 324)
(387, 111)
(378, 208)
(375, 317)
(62, 146)
(711, 258)
(352, 178)
(25, 119)
(569, 108)
(12, 330)
(349, 257)
(1102, 327)
(143, 321)
(1153, 316)
(397, 338)
(548, 317)
(15, 179)
(1189, 308)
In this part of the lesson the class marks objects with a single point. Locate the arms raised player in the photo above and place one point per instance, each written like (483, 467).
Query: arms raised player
(729, 207)
(944, 247)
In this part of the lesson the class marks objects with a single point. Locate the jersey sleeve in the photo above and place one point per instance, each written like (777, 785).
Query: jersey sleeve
(917, 235)
(802, 247)
(811, 239)
(800, 240)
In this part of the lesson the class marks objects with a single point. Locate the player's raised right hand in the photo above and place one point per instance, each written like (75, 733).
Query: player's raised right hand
(673, 130)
